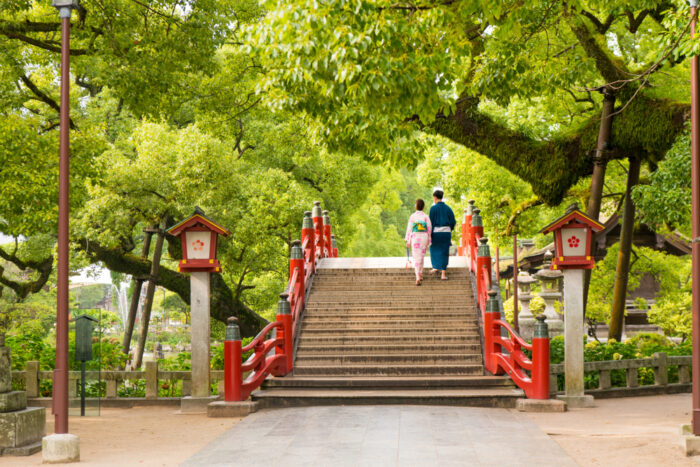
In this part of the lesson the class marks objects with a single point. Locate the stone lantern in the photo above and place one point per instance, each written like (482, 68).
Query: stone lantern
(526, 322)
(573, 239)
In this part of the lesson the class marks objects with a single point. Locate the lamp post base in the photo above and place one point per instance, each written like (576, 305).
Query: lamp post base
(60, 448)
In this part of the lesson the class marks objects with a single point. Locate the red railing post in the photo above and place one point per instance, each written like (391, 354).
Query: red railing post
(334, 246)
(233, 375)
(308, 236)
(318, 226)
(476, 232)
(284, 315)
(327, 234)
(540, 360)
(491, 332)
(296, 262)
(483, 263)
(466, 229)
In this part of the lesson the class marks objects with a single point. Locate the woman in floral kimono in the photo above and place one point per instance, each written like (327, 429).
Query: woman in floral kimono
(418, 237)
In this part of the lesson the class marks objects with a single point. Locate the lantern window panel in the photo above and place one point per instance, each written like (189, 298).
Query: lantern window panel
(574, 241)
(198, 244)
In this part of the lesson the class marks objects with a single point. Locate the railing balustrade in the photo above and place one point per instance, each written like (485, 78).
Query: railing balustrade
(317, 242)
(503, 351)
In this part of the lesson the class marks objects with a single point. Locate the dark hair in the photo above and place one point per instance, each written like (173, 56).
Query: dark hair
(438, 194)
(420, 204)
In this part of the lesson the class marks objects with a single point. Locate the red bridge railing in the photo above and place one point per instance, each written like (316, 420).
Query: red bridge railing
(503, 347)
(317, 243)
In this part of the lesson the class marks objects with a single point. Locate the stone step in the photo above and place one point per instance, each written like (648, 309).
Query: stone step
(305, 348)
(395, 302)
(371, 359)
(316, 316)
(388, 323)
(476, 397)
(392, 382)
(379, 338)
(358, 308)
(403, 283)
(389, 370)
(312, 330)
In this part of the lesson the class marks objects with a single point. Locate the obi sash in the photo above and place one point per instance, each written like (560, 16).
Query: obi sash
(420, 227)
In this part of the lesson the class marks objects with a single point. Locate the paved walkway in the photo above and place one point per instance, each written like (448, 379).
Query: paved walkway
(383, 436)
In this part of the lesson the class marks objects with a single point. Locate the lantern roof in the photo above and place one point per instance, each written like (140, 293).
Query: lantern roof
(572, 214)
(197, 218)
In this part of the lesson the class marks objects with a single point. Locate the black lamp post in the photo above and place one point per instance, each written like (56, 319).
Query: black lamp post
(60, 377)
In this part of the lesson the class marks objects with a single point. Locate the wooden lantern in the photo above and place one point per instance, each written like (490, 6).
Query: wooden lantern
(199, 241)
(573, 239)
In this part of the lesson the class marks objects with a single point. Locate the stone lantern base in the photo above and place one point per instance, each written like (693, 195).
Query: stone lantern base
(21, 427)
(526, 327)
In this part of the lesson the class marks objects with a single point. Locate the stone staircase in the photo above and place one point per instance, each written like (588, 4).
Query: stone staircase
(370, 336)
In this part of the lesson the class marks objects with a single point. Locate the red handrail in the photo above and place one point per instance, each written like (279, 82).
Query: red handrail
(504, 354)
(317, 244)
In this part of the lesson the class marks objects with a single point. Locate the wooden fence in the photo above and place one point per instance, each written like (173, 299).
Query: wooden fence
(659, 363)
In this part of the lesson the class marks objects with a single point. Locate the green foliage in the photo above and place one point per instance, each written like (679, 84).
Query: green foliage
(666, 201)
(671, 310)
(643, 345)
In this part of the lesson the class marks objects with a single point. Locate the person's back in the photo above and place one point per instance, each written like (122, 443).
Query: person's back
(443, 221)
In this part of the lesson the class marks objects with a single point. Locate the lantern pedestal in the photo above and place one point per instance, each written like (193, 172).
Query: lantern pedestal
(199, 331)
(573, 340)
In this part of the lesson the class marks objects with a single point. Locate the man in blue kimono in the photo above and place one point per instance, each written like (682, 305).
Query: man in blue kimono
(443, 221)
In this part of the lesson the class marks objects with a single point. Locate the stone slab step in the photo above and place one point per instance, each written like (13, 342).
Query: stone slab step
(377, 338)
(478, 397)
(304, 348)
(368, 322)
(388, 370)
(403, 283)
(380, 382)
(385, 331)
(305, 359)
(389, 302)
(381, 309)
(351, 313)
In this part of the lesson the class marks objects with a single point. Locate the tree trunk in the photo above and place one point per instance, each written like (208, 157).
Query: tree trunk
(617, 314)
(146, 314)
(224, 303)
(135, 296)
(598, 179)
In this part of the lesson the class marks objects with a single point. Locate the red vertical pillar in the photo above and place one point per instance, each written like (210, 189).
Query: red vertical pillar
(327, 233)
(285, 332)
(317, 216)
(695, 194)
(491, 333)
(468, 231)
(540, 360)
(308, 237)
(233, 376)
(296, 263)
(483, 263)
(476, 231)
(334, 246)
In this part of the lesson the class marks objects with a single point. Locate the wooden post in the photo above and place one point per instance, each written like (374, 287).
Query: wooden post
(317, 216)
(136, 294)
(150, 290)
(232, 362)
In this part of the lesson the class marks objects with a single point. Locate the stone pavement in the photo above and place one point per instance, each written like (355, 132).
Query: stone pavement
(383, 436)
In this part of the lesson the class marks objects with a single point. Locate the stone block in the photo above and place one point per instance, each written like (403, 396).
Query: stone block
(12, 401)
(689, 442)
(223, 409)
(5, 373)
(22, 427)
(192, 404)
(60, 448)
(540, 405)
(26, 450)
(585, 401)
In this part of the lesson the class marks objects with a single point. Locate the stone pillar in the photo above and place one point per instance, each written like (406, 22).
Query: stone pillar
(550, 293)
(526, 322)
(199, 329)
(573, 340)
